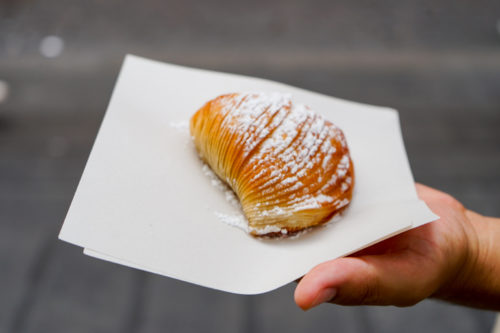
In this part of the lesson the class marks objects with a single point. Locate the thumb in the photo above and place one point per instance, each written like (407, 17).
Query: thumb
(365, 280)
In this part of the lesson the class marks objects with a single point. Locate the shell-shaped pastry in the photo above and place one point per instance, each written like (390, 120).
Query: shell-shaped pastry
(289, 167)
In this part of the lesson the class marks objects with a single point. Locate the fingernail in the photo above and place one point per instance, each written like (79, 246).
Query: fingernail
(324, 295)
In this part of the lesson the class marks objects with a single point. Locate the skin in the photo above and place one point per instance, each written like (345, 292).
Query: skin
(456, 258)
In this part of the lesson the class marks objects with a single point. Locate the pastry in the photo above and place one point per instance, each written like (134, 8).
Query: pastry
(289, 167)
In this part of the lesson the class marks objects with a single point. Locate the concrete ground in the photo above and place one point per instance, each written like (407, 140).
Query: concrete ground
(437, 63)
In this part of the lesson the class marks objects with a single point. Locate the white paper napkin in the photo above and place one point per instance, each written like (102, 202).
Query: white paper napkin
(145, 202)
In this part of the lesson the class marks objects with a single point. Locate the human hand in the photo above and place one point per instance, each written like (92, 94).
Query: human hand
(435, 259)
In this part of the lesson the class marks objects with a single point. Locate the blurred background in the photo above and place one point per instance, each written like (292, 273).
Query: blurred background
(437, 62)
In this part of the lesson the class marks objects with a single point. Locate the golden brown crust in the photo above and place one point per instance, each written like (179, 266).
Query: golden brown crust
(289, 167)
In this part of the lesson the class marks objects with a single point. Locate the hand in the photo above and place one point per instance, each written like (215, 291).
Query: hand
(439, 259)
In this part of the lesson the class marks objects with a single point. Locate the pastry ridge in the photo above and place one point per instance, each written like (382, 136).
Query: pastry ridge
(289, 167)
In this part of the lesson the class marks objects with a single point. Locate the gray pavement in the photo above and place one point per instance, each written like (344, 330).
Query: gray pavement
(437, 63)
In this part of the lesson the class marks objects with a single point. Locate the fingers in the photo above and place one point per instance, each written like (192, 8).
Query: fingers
(367, 280)
(424, 191)
(398, 271)
(436, 199)
(336, 281)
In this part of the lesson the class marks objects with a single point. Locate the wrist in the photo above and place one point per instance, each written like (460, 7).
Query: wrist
(464, 257)
(476, 281)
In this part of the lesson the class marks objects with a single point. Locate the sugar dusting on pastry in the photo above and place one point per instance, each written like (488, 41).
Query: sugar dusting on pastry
(237, 220)
(181, 126)
(221, 186)
(295, 159)
(289, 167)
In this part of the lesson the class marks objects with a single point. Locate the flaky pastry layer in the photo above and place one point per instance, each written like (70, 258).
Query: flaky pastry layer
(289, 167)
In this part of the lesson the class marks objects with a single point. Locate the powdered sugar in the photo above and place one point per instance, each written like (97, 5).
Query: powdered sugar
(292, 148)
(292, 153)
(181, 126)
(221, 186)
(235, 220)
(239, 221)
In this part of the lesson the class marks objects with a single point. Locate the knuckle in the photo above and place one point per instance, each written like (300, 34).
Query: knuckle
(366, 291)
(450, 201)
(369, 294)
